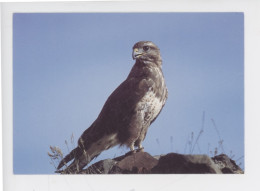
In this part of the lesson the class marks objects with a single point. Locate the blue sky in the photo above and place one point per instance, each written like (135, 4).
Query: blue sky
(66, 65)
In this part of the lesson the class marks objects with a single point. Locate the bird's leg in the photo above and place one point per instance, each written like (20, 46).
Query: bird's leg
(132, 149)
(140, 147)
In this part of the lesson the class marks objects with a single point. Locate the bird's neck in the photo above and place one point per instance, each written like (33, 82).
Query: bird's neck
(149, 63)
(144, 68)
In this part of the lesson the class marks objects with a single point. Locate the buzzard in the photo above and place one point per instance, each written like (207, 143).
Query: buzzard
(128, 111)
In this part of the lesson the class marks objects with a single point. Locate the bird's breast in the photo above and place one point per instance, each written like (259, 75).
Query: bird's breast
(150, 106)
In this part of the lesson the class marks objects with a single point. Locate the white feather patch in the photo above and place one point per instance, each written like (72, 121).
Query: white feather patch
(150, 106)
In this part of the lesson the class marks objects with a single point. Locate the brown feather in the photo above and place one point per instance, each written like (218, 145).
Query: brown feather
(128, 111)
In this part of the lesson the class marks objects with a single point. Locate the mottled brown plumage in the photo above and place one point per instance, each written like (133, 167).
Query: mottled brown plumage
(128, 111)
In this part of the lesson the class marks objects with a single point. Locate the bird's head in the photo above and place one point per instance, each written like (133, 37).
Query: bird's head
(147, 52)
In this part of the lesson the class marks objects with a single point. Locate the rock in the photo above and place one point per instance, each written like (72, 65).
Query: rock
(227, 165)
(172, 163)
(137, 163)
(101, 167)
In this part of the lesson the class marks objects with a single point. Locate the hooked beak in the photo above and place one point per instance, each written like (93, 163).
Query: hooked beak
(136, 53)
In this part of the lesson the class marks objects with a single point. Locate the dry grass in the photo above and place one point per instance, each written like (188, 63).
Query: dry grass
(192, 142)
(56, 156)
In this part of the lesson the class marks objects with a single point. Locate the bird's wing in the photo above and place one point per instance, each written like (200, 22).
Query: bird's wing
(119, 107)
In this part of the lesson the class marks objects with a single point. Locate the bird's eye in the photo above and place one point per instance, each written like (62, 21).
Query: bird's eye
(146, 48)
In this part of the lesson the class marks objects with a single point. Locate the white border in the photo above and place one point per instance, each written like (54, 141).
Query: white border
(141, 182)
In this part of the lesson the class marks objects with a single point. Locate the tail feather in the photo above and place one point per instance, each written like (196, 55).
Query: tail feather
(86, 152)
(78, 164)
(73, 154)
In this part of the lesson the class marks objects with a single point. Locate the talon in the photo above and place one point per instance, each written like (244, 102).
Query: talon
(130, 152)
(141, 149)
(134, 151)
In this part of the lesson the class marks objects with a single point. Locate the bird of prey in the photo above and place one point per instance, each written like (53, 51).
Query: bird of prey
(128, 111)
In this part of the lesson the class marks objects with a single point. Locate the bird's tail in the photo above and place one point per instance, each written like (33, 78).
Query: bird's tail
(86, 152)
(81, 159)
(73, 154)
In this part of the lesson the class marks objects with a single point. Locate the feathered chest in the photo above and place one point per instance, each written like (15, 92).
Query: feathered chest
(150, 106)
(154, 94)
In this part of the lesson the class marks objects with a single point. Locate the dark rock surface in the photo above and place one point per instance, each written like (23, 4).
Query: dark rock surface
(172, 163)
(227, 165)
